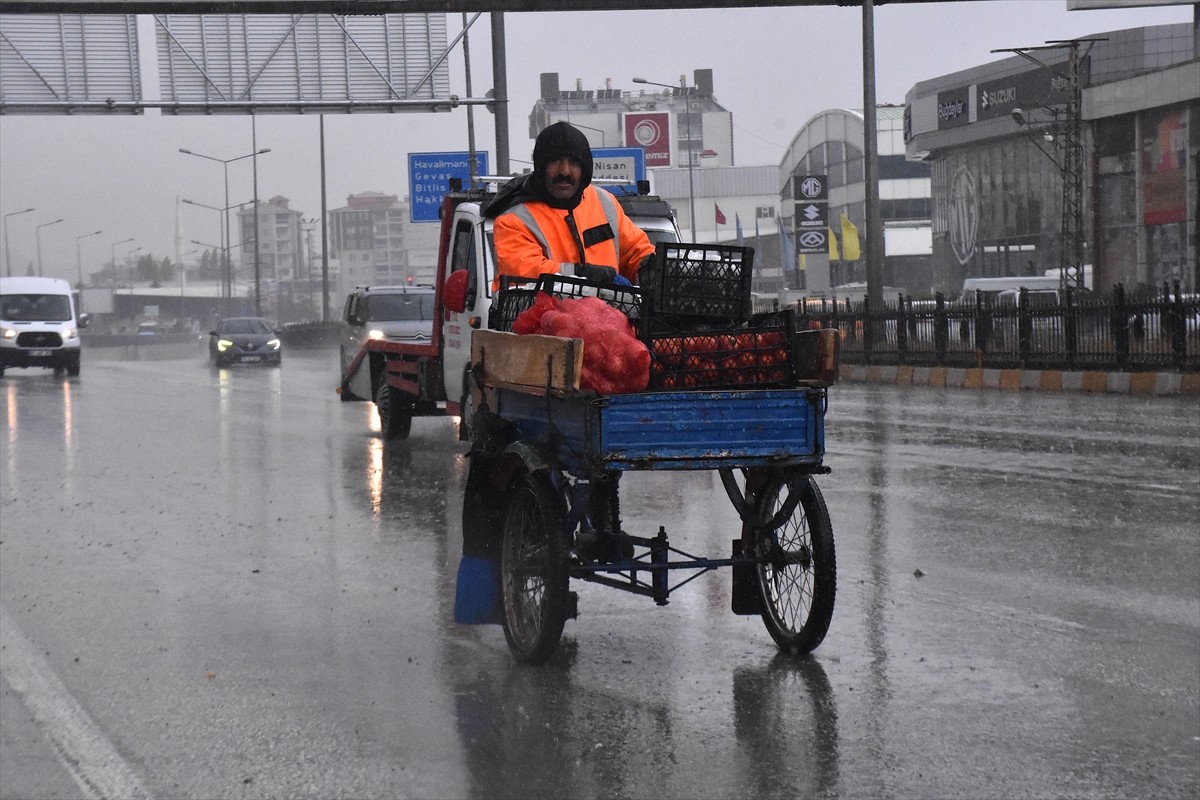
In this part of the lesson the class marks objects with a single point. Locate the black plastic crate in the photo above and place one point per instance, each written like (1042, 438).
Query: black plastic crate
(516, 295)
(698, 282)
(760, 353)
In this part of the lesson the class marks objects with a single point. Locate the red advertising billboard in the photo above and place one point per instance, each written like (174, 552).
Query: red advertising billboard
(652, 133)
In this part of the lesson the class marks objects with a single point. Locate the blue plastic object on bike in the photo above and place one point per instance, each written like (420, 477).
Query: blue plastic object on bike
(477, 592)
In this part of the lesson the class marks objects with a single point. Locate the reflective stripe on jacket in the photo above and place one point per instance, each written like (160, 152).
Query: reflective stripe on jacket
(533, 239)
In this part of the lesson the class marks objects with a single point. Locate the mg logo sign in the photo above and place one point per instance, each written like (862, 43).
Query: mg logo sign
(811, 187)
(964, 215)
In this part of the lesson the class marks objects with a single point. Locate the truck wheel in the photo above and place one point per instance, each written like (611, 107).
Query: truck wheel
(533, 569)
(73, 366)
(797, 575)
(395, 412)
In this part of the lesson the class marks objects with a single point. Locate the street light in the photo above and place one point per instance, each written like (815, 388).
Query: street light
(129, 266)
(687, 107)
(227, 289)
(7, 256)
(39, 242)
(79, 258)
(113, 258)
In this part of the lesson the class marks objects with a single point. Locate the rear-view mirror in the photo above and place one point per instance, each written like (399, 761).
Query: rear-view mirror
(454, 291)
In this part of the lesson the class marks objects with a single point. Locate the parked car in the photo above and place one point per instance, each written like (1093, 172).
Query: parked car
(147, 329)
(245, 340)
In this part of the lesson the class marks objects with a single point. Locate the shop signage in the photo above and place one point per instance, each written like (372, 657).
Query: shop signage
(652, 133)
(1037, 88)
(952, 108)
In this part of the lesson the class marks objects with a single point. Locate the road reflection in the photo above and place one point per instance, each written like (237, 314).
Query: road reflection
(785, 716)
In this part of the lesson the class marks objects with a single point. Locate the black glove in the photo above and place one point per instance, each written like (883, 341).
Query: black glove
(594, 272)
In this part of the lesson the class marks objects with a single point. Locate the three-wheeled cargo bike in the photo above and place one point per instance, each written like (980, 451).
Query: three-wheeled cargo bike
(541, 505)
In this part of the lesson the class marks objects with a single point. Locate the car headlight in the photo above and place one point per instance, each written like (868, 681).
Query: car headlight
(375, 333)
(273, 344)
(9, 333)
(224, 344)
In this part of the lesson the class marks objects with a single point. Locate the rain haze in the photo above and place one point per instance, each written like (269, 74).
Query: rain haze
(773, 69)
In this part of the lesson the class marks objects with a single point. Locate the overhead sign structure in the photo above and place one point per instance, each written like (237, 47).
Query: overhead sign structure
(625, 165)
(429, 177)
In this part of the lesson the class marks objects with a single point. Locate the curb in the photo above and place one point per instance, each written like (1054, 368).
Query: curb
(1163, 384)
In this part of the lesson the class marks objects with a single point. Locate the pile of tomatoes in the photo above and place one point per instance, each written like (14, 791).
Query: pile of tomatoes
(749, 358)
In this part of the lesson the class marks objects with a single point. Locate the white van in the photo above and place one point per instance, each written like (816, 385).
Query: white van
(39, 325)
(990, 288)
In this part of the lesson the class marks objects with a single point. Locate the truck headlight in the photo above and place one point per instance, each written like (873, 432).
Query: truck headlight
(8, 333)
(70, 333)
(375, 333)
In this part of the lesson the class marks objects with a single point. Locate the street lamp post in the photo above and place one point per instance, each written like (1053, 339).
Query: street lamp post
(113, 259)
(227, 288)
(687, 107)
(39, 242)
(79, 257)
(7, 255)
(129, 269)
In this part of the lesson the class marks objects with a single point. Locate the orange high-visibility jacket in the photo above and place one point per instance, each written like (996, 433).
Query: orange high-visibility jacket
(533, 238)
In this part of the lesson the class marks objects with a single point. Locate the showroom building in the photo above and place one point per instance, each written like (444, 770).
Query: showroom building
(1069, 155)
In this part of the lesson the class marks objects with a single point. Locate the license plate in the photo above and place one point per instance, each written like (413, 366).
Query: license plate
(39, 353)
(250, 359)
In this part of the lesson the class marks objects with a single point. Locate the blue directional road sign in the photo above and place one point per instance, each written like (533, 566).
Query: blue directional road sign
(429, 177)
(625, 164)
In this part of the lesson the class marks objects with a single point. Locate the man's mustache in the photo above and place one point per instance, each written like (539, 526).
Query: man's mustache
(566, 179)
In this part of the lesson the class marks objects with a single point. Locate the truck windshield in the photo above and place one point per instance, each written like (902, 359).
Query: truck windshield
(36, 307)
(392, 307)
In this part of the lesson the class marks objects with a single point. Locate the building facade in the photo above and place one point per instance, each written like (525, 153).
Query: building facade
(1070, 156)
(375, 242)
(280, 249)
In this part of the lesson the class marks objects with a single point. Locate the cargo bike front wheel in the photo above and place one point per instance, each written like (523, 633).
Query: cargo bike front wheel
(792, 540)
(533, 568)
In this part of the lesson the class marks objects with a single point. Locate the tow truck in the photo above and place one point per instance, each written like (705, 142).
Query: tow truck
(427, 378)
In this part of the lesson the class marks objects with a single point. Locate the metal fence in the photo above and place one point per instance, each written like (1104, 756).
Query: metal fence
(1067, 331)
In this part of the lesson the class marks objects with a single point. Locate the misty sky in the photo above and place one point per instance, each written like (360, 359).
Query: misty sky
(774, 68)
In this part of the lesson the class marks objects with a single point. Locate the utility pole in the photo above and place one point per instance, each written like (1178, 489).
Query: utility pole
(1067, 128)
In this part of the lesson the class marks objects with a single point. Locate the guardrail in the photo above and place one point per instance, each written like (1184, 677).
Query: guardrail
(1081, 331)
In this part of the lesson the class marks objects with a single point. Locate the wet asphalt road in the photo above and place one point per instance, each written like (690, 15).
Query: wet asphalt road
(222, 584)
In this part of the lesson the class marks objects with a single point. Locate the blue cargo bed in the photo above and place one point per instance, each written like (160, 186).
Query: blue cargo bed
(671, 430)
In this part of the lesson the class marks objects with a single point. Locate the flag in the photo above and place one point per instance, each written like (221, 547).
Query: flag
(786, 250)
(850, 248)
(720, 216)
(833, 248)
(737, 218)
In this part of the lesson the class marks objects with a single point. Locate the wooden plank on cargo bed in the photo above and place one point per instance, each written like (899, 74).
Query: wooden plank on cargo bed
(532, 361)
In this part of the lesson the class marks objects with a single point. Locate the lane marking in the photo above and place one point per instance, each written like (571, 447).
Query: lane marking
(84, 750)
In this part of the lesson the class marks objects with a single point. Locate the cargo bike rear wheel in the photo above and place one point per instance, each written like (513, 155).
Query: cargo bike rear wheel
(792, 538)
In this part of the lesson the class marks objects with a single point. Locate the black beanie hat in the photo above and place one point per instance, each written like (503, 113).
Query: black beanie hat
(555, 141)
